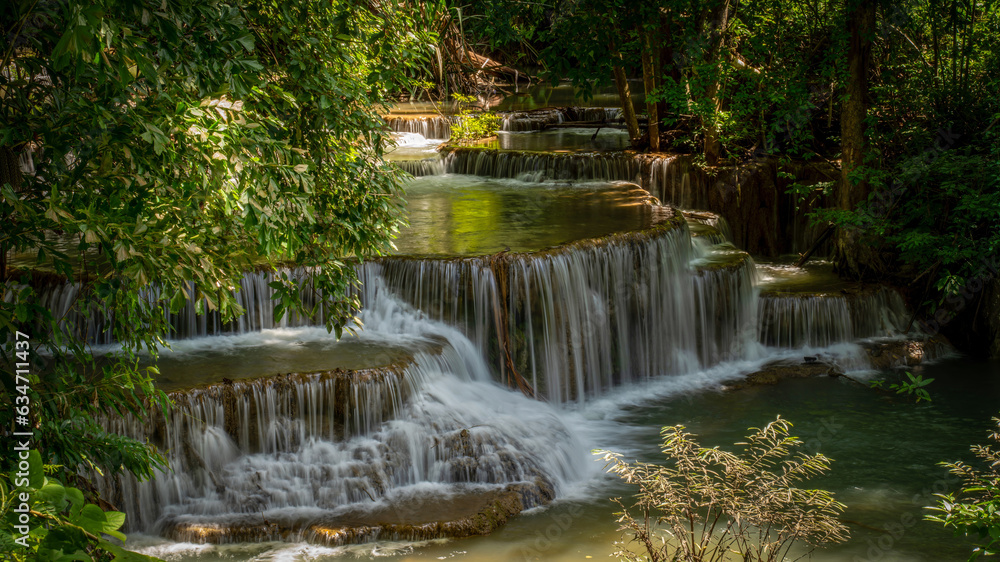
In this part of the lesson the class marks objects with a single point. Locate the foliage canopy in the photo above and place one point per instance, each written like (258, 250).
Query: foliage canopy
(154, 152)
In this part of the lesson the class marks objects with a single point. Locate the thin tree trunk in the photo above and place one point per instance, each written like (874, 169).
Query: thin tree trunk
(500, 265)
(719, 21)
(861, 24)
(625, 95)
(935, 36)
(10, 174)
(649, 79)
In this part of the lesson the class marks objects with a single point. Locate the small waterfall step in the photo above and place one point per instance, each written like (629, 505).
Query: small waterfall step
(429, 126)
(725, 296)
(812, 307)
(432, 166)
(539, 119)
(212, 426)
(416, 154)
(438, 126)
(738, 193)
(708, 226)
(541, 166)
(462, 512)
(65, 301)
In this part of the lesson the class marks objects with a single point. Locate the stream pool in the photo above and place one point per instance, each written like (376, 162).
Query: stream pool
(885, 450)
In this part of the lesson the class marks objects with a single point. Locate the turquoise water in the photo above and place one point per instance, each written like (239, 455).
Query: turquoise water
(885, 450)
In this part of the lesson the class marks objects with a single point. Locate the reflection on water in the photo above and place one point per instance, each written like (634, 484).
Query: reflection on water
(467, 215)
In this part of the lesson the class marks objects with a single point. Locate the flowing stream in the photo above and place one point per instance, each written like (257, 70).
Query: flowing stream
(554, 270)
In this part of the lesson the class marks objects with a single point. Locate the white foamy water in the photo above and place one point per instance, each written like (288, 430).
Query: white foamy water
(274, 455)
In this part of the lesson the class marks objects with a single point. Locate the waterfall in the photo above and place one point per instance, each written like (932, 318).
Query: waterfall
(594, 114)
(426, 167)
(725, 301)
(587, 316)
(709, 227)
(325, 454)
(532, 166)
(820, 320)
(523, 121)
(431, 127)
(670, 180)
(89, 323)
(585, 320)
(300, 447)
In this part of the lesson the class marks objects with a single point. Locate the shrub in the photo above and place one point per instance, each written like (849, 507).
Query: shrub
(472, 124)
(707, 504)
(975, 510)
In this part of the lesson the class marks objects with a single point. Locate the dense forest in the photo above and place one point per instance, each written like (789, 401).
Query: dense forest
(171, 146)
(899, 95)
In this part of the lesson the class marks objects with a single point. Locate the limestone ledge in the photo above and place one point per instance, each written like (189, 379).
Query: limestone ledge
(463, 514)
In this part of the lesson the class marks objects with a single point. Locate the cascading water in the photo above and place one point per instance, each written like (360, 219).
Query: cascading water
(819, 320)
(540, 167)
(530, 121)
(299, 450)
(670, 180)
(426, 167)
(254, 296)
(584, 317)
(322, 455)
(431, 127)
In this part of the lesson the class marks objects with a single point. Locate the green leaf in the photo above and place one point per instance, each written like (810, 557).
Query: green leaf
(246, 41)
(92, 519)
(52, 493)
(115, 520)
(37, 472)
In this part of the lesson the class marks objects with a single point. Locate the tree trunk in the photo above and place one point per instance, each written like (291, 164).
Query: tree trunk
(649, 80)
(850, 256)
(10, 174)
(668, 67)
(719, 19)
(625, 95)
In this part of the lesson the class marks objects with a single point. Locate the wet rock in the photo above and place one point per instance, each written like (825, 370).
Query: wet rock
(894, 354)
(773, 372)
(884, 354)
(424, 517)
(753, 195)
